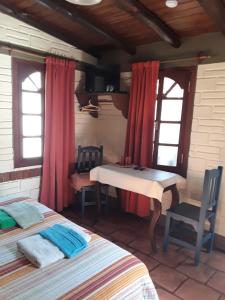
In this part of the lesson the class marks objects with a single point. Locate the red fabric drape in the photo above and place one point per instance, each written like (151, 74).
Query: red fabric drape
(59, 144)
(139, 136)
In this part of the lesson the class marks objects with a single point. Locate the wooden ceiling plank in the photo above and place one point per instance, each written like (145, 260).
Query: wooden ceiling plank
(24, 17)
(216, 10)
(147, 17)
(89, 24)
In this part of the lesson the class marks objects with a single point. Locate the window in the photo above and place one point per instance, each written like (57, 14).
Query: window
(173, 117)
(28, 112)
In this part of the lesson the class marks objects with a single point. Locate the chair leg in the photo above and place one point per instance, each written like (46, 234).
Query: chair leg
(167, 232)
(211, 241)
(198, 246)
(82, 202)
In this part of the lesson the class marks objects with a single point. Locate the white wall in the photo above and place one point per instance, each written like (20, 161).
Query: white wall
(108, 129)
(111, 129)
(19, 33)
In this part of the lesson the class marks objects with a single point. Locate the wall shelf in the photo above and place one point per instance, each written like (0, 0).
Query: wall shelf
(119, 99)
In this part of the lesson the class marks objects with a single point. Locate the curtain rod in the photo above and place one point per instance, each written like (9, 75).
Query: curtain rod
(199, 58)
(42, 54)
(38, 53)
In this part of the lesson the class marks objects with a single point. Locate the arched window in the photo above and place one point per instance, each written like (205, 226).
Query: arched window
(173, 117)
(28, 108)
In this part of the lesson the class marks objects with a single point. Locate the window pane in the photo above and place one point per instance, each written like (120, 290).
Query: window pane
(167, 156)
(176, 92)
(32, 147)
(31, 103)
(156, 104)
(32, 125)
(171, 110)
(167, 83)
(157, 87)
(32, 82)
(169, 133)
(36, 78)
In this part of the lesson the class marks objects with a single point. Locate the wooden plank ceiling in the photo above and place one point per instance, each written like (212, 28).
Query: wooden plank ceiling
(121, 24)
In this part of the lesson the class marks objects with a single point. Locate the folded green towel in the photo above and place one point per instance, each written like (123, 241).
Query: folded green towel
(6, 221)
(25, 214)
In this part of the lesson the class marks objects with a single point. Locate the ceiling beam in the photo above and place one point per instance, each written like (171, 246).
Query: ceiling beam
(138, 10)
(216, 10)
(24, 17)
(79, 17)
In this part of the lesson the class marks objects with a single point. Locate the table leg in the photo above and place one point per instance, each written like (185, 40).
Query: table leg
(118, 194)
(157, 213)
(98, 200)
(175, 195)
(154, 219)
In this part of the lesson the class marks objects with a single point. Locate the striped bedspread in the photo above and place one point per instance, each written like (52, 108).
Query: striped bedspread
(102, 271)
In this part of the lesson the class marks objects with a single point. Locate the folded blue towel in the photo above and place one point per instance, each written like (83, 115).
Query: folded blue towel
(66, 239)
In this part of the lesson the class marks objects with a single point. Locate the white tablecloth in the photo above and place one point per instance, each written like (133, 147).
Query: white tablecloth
(149, 182)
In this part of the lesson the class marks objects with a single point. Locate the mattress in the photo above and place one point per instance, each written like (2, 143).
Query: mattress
(102, 271)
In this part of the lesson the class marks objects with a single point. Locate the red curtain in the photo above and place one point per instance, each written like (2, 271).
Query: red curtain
(59, 144)
(139, 137)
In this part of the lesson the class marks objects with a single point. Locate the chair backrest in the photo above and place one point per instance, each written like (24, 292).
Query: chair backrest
(211, 188)
(88, 158)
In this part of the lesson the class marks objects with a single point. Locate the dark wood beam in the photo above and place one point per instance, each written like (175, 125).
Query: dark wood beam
(8, 10)
(90, 24)
(138, 10)
(216, 10)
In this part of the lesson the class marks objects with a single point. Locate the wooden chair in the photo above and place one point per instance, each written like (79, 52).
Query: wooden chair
(88, 158)
(195, 217)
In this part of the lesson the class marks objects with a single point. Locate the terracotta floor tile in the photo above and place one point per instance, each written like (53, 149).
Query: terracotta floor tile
(167, 278)
(105, 236)
(217, 260)
(200, 273)
(86, 221)
(171, 258)
(218, 282)
(147, 260)
(192, 290)
(214, 259)
(142, 245)
(164, 295)
(105, 227)
(124, 236)
(189, 253)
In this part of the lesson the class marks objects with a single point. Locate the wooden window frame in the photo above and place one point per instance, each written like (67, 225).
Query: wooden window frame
(188, 82)
(20, 70)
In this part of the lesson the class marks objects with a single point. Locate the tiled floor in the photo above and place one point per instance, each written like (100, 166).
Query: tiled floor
(173, 273)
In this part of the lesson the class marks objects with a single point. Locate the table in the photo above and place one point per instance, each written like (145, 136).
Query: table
(149, 182)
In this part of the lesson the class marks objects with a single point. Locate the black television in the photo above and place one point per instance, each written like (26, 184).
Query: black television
(102, 79)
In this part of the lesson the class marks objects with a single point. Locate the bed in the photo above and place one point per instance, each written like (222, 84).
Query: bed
(102, 271)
